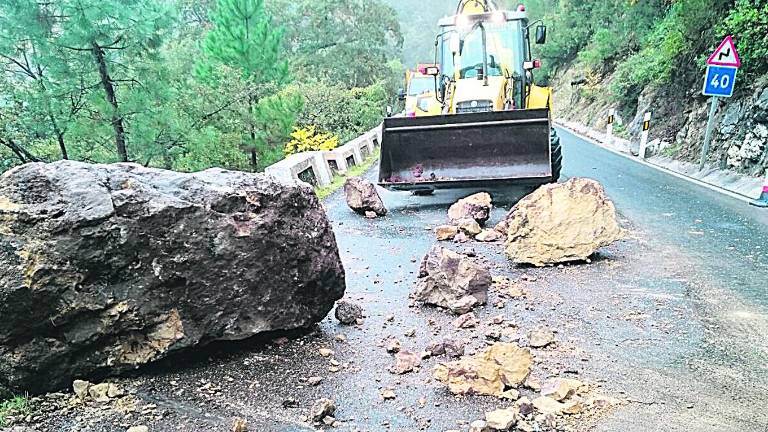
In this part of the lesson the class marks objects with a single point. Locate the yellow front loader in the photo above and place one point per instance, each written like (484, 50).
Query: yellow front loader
(494, 126)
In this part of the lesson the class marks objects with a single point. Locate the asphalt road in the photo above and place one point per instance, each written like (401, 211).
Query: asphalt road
(673, 321)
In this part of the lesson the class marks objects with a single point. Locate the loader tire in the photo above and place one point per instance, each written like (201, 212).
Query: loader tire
(557, 156)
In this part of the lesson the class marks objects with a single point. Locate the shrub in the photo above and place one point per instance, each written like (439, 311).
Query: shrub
(309, 139)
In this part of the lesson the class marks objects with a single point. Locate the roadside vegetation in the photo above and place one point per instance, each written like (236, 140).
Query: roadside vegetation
(649, 43)
(189, 84)
(16, 406)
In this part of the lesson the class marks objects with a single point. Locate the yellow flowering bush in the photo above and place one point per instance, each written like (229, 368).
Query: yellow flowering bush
(310, 139)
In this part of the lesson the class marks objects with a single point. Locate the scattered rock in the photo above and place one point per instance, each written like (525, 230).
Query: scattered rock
(547, 405)
(322, 408)
(501, 419)
(463, 305)
(478, 426)
(348, 312)
(325, 352)
(405, 361)
(362, 196)
(447, 346)
(446, 232)
(477, 207)
(393, 345)
(490, 372)
(461, 237)
(371, 214)
(561, 222)
(445, 277)
(239, 425)
(81, 388)
(540, 337)
(468, 320)
(489, 235)
(123, 246)
(561, 388)
(388, 394)
(314, 381)
(524, 406)
(101, 392)
(138, 429)
(469, 227)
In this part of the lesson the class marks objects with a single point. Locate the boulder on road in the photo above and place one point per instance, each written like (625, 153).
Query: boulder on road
(500, 367)
(477, 207)
(447, 277)
(560, 222)
(362, 196)
(104, 268)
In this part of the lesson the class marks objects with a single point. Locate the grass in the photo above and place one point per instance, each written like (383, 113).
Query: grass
(16, 406)
(338, 180)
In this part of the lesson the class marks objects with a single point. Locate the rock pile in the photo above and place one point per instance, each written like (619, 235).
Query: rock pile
(104, 268)
(560, 222)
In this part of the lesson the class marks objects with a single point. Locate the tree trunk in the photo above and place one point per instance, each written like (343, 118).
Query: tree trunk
(252, 130)
(109, 91)
(59, 135)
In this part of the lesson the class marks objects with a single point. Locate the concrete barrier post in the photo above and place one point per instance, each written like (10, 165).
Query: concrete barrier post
(322, 170)
(644, 135)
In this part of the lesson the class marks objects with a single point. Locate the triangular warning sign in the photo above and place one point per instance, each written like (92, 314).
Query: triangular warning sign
(725, 54)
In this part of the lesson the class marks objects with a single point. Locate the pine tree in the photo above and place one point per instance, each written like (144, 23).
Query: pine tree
(244, 39)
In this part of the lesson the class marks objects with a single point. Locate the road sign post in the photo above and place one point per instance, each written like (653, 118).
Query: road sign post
(611, 117)
(720, 81)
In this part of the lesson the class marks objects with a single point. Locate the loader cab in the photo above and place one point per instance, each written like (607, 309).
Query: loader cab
(482, 59)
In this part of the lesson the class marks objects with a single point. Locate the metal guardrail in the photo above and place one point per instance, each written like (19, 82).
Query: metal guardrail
(318, 167)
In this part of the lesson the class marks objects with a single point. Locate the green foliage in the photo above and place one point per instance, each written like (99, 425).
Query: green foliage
(347, 113)
(18, 406)
(310, 139)
(748, 22)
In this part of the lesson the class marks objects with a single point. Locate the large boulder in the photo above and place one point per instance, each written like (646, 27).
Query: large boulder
(560, 222)
(362, 196)
(477, 207)
(104, 268)
(451, 280)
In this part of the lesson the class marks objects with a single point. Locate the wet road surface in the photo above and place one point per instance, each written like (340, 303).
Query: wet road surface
(673, 321)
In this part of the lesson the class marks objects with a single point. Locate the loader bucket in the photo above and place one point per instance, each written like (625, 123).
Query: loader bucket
(466, 150)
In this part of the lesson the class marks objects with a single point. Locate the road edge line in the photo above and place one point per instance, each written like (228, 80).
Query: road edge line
(744, 198)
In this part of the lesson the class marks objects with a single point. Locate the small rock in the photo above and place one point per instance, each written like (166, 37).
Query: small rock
(461, 238)
(99, 392)
(314, 380)
(321, 409)
(371, 214)
(239, 425)
(524, 406)
(468, 320)
(547, 405)
(464, 305)
(325, 352)
(489, 235)
(446, 232)
(81, 388)
(447, 346)
(405, 361)
(410, 333)
(541, 337)
(478, 426)
(347, 312)
(388, 394)
(393, 345)
(560, 388)
(501, 419)
(469, 227)
(138, 429)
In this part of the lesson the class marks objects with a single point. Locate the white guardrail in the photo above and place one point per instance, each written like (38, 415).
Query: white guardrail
(318, 167)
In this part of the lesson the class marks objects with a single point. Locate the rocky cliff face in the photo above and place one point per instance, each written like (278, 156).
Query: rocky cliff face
(740, 139)
(104, 268)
